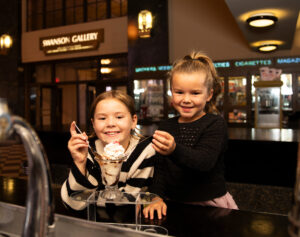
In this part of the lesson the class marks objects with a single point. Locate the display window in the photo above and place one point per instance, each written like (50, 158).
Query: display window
(286, 91)
(237, 90)
(149, 99)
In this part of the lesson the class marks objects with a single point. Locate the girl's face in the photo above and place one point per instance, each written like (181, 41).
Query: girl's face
(113, 122)
(189, 95)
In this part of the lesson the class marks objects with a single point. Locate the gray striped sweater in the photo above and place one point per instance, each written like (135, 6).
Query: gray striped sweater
(136, 172)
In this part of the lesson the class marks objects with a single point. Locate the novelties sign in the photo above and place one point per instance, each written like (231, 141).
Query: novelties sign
(74, 42)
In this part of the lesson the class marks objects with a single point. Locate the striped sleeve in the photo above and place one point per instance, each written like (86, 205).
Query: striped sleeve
(78, 182)
(138, 169)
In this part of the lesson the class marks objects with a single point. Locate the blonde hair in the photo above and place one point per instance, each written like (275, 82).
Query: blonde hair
(199, 62)
(120, 96)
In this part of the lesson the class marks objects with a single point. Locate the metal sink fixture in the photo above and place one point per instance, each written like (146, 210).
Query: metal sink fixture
(37, 219)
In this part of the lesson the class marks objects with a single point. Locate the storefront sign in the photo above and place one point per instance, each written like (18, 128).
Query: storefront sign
(153, 68)
(253, 63)
(79, 41)
(288, 60)
(222, 64)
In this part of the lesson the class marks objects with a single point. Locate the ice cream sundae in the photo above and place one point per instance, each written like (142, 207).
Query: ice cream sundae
(111, 162)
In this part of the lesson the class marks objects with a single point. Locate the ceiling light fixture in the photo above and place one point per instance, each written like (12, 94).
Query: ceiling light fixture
(267, 47)
(262, 20)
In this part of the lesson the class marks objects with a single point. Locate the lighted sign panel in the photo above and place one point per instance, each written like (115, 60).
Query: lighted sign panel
(253, 63)
(222, 64)
(74, 42)
(288, 60)
(230, 64)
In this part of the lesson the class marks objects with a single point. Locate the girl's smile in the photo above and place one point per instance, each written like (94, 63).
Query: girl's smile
(186, 109)
(112, 133)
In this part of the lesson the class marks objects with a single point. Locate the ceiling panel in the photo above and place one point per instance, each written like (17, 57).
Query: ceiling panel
(285, 29)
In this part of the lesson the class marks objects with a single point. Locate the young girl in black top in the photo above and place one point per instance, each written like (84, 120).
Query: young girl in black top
(192, 145)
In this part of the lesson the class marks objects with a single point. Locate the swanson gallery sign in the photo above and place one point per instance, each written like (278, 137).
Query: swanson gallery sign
(74, 42)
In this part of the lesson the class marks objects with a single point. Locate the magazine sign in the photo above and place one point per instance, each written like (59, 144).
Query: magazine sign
(73, 42)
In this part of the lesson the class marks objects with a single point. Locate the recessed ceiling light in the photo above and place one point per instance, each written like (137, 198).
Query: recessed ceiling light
(267, 47)
(262, 20)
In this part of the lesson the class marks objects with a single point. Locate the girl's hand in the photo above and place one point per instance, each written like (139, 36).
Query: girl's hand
(78, 147)
(163, 142)
(159, 206)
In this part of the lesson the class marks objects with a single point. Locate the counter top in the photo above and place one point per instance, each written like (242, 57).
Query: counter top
(182, 219)
(252, 134)
(263, 134)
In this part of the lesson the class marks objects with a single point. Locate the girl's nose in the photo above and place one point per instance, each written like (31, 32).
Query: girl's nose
(186, 98)
(110, 122)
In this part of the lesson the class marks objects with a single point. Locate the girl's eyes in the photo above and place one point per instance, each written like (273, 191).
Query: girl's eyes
(179, 92)
(193, 93)
(117, 117)
(196, 93)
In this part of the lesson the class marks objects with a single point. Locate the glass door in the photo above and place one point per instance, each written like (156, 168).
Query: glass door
(287, 91)
(237, 99)
(298, 92)
(50, 107)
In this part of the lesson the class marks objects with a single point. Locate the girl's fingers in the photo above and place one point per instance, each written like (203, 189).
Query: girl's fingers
(164, 209)
(162, 133)
(160, 151)
(161, 139)
(79, 136)
(72, 129)
(158, 211)
(78, 141)
(79, 146)
(159, 145)
(151, 213)
(145, 212)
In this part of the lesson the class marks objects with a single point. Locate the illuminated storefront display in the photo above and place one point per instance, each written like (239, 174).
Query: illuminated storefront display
(237, 101)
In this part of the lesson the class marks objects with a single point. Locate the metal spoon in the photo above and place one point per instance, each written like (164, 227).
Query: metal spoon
(90, 148)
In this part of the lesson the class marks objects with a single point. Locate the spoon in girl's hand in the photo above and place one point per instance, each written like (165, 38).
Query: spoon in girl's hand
(79, 131)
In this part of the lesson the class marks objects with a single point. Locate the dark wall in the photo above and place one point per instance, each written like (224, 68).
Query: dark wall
(56, 147)
(153, 50)
(261, 162)
(11, 79)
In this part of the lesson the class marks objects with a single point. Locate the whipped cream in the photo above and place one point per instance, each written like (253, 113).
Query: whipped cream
(113, 151)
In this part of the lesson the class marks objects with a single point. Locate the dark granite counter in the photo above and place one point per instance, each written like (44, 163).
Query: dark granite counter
(250, 134)
(181, 220)
(263, 134)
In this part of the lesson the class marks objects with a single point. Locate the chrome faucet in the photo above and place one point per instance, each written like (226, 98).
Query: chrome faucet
(39, 217)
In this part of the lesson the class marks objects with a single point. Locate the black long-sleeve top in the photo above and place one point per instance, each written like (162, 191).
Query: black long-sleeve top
(194, 172)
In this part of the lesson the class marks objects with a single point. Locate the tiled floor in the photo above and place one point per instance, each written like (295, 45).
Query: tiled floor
(262, 198)
(12, 158)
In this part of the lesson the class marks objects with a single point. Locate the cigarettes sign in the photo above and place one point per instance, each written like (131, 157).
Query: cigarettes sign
(79, 41)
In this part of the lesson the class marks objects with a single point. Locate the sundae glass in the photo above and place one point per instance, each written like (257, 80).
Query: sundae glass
(110, 163)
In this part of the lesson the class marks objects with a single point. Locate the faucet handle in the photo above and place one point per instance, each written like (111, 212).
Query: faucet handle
(5, 120)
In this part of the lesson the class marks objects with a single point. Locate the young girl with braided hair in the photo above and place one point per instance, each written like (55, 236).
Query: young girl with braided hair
(192, 145)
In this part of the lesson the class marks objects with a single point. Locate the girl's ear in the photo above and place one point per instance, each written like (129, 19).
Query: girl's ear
(134, 121)
(210, 95)
(92, 120)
